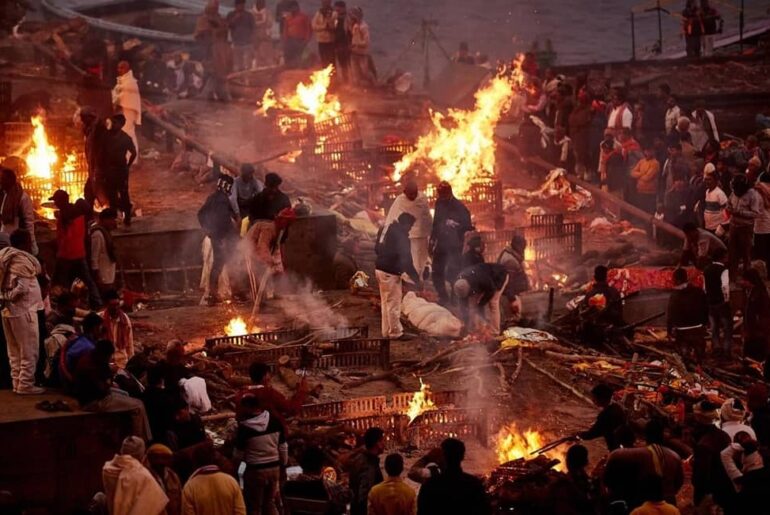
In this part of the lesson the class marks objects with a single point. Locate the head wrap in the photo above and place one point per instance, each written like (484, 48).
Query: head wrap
(732, 411)
(133, 446)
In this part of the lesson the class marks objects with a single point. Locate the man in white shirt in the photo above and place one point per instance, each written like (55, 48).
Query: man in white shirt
(127, 100)
(703, 126)
(416, 204)
(22, 299)
(672, 114)
(714, 213)
(621, 115)
(102, 260)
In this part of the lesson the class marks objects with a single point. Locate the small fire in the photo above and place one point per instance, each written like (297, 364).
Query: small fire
(236, 327)
(420, 402)
(529, 253)
(511, 444)
(312, 98)
(460, 147)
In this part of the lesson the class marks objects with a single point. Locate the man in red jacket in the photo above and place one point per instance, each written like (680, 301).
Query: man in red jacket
(270, 399)
(71, 246)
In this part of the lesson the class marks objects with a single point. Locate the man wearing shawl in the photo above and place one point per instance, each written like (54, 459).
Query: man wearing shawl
(22, 299)
(16, 211)
(117, 325)
(126, 99)
(129, 487)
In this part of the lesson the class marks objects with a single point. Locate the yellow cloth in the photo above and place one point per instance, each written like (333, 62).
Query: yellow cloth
(392, 497)
(212, 494)
(646, 173)
(131, 489)
(656, 508)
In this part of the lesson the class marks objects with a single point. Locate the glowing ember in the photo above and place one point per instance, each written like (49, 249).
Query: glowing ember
(511, 444)
(529, 253)
(236, 327)
(460, 147)
(312, 98)
(420, 402)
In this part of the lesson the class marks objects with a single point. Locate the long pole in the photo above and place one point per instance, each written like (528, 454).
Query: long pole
(633, 37)
(660, 29)
(740, 25)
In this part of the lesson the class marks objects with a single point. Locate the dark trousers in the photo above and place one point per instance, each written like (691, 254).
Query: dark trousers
(5, 365)
(118, 197)
(326, 53)
(692, 44)
(342, 54)
(67, 270)
(446, 266)
(739, 245)
(721, 319)
(222, 248)
(292, 52)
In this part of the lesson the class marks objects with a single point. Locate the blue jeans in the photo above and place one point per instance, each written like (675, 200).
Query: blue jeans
(721, 317)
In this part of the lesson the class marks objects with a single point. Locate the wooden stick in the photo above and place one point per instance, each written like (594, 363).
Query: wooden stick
(558, 381)
(218, 416)
(584, 357)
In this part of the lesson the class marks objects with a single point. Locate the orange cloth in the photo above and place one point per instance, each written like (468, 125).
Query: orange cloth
(646, 174)
(297, 26)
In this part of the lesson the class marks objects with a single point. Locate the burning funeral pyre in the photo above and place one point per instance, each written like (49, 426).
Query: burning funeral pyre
(48, 167)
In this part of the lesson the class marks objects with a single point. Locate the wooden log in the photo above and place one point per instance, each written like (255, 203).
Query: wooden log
(584, 357)
(225, 415)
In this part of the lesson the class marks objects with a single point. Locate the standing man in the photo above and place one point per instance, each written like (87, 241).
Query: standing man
(512, 258)
(117, 156)
(263, 39)
(687, 316)
(242, 28)
(22, 299)
(217, 219)
(700, 246)
(393, 496)
(453, 491)
(479, 290)
(715, 202)
(716, 278)
(260, 443)
(360, 60)
(118, 329)
(71, 246)
(324, 28)
(703, 126)
(692, 28)
(103, 259)
(393, 260)
(621, 114)
(209, 491)
(342, 39)
(245, 189)
(673, 113)
(744, 206)
(450, 223)
(16, 211)
(297, 31)
(413, 202)
(126, 99)
(364, 469)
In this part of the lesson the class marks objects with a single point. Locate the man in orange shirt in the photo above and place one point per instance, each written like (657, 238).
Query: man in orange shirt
(297, 31)
(393, 496)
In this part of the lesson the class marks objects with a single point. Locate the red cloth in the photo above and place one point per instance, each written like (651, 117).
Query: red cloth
(630, 280)
(71, 239)
(273, 401)
(297, 27)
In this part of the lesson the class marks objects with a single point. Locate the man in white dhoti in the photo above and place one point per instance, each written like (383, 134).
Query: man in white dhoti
(126, 99)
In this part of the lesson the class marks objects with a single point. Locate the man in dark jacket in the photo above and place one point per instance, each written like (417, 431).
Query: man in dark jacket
(453, 492)
(112, 180)
(687, 315)
(394, 257)
(217, 219)
(474, 254)
(450, 223)
(364, 468)
(716, 277)
(270, 201)
(610, 419)
(512, 258)
(479, 289)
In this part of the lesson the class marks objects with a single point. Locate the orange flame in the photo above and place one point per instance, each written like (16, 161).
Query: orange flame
(460, 146)
(312, 98)
(42, 156)
(236, 327)
(511, 444)
(420, 402)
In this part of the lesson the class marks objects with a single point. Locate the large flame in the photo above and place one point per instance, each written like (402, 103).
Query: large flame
(42, 156)
(460, 146)
(236, 327)
(420, 402)
(312, 98)
(511, 444)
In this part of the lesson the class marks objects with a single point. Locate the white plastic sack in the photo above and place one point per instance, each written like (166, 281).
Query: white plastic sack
(430, 318)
